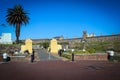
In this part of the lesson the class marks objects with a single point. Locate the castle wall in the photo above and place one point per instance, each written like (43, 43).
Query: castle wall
(74, 41)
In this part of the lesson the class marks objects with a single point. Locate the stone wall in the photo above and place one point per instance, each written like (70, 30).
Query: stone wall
(20, 58)
(98, 56)
(72, 41)
(104, 38)
(36, 41)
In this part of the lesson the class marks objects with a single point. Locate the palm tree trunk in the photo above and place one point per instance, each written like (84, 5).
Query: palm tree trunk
(17, 32)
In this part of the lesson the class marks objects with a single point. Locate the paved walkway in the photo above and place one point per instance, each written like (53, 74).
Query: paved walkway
(60, 70)
(44, 55)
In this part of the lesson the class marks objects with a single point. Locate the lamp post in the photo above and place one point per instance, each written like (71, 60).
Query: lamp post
(72, 55)
(84, 44)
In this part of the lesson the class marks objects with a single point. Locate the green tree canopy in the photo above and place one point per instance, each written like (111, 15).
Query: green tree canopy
(17, 16)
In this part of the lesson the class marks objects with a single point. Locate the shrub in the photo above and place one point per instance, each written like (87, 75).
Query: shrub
(91, 50)
(68, 56)
(45, 44)
(78, 52)
(81, 52)
(115, 58)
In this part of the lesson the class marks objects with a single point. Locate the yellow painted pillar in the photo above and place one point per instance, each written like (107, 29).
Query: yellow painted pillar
(54, 47)
(27, 46)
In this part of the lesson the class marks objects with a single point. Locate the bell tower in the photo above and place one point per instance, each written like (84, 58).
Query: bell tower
(84, 34)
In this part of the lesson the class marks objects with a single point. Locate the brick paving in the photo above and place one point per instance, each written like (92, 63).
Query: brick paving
(60, 70)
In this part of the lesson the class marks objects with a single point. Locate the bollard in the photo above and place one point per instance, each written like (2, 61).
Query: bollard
(32, 56)
(72, 56)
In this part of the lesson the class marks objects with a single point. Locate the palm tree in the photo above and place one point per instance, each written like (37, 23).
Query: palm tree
(17, 16)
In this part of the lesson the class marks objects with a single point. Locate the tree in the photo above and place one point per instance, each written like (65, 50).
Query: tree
(17, 16)
(46, 44)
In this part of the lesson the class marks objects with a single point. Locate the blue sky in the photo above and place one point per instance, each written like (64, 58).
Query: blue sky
(50, 18)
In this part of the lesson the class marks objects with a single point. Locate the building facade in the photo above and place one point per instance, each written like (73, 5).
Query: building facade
(6, 38)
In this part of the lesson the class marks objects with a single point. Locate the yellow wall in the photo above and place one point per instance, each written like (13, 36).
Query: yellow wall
(54, 47)
(27, 46)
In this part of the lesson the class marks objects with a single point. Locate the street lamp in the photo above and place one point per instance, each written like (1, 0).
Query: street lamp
(84, 44)
(72, 50)
(72, 55)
